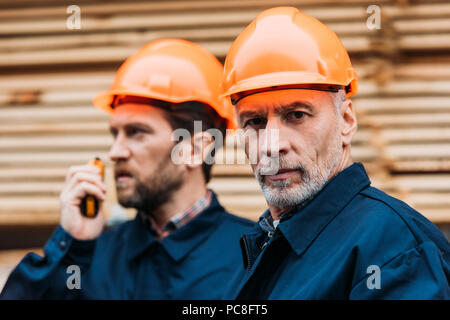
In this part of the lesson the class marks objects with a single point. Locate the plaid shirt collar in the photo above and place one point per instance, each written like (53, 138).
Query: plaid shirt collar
(266, 222)
(181, 218)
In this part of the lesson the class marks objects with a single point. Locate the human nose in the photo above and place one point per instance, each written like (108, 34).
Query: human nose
(119, 150)
(273, 140)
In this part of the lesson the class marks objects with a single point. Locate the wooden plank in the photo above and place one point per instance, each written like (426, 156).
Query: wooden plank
(104, 54)
(17, 174)
(246, 185)
(227, 185)
(223, 170)
(396, 120)
(47, 160)
(186, 18)
(61, 81)
(428, 200)
(439, 91)
(133, 38)
(49, 98)
(47, 81)
(116, 54)
(18, 4)
(421, 183)
(171, 6)
(130, 22)
(442, 165)
(220, 170)
(163, 20)
(48, 114)
(42, 143)
(58, 173)
(249, 206)
(359, 152)
(401, 104)
(24, 219)
(435, 10)
(430, 71)
(424, 42)
(251, 200)
(435, 25)
(399, 87)
(61, 128)
(31, 188)
(414, 134)
(418, 151)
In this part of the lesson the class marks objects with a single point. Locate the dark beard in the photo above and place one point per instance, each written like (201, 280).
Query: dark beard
(150, 195)
(153, 198)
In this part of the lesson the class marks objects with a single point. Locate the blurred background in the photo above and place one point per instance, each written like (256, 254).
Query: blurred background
(49, 74)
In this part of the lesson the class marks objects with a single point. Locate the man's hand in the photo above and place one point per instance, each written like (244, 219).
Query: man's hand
(81, 181)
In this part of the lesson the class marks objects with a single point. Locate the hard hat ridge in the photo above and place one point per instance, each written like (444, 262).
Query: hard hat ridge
(285, 47)
(171, 70)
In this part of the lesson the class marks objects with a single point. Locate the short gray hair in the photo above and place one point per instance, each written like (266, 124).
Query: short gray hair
(338, 98)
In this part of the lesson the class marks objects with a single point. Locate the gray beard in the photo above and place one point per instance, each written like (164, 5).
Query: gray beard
(284, 194)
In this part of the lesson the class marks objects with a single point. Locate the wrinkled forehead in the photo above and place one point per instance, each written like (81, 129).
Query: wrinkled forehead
(277, 100)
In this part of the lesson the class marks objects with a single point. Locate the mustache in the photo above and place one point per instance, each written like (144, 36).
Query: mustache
(121, 170)
(272, 165)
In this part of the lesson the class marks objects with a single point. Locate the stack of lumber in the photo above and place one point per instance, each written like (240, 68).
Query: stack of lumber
(49, 74)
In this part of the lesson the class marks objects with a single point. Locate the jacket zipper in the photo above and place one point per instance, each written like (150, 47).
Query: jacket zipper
(270, 235)
(247, 253)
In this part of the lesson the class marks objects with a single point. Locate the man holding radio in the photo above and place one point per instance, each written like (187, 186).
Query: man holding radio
(182, 243)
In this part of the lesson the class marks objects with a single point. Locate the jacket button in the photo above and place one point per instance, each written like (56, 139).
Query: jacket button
(62, 244)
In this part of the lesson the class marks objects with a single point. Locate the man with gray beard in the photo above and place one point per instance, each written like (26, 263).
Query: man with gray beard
(313, 178)
(327, 234)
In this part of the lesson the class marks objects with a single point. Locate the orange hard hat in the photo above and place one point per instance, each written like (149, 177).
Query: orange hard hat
(172, 70)
(285, 48)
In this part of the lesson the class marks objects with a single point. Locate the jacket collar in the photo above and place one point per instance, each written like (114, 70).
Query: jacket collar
(181, 241)
(306, 224)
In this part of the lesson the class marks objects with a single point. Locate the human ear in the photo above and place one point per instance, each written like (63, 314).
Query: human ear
(349, 122)
(203, 142)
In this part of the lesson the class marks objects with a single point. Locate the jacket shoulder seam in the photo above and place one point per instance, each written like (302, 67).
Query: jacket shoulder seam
(373, 197)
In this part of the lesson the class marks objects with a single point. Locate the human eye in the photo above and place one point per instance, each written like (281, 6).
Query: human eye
(113, 132)
(295, 115)
(134, 131)
(255, 122)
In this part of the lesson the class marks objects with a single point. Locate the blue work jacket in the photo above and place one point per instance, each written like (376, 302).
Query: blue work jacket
(351, 241)
(195, 261)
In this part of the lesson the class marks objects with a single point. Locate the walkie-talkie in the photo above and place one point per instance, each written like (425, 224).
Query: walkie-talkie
(90, 205)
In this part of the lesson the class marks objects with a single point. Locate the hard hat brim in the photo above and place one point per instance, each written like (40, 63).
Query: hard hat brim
(273, 80)
(104, 100)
